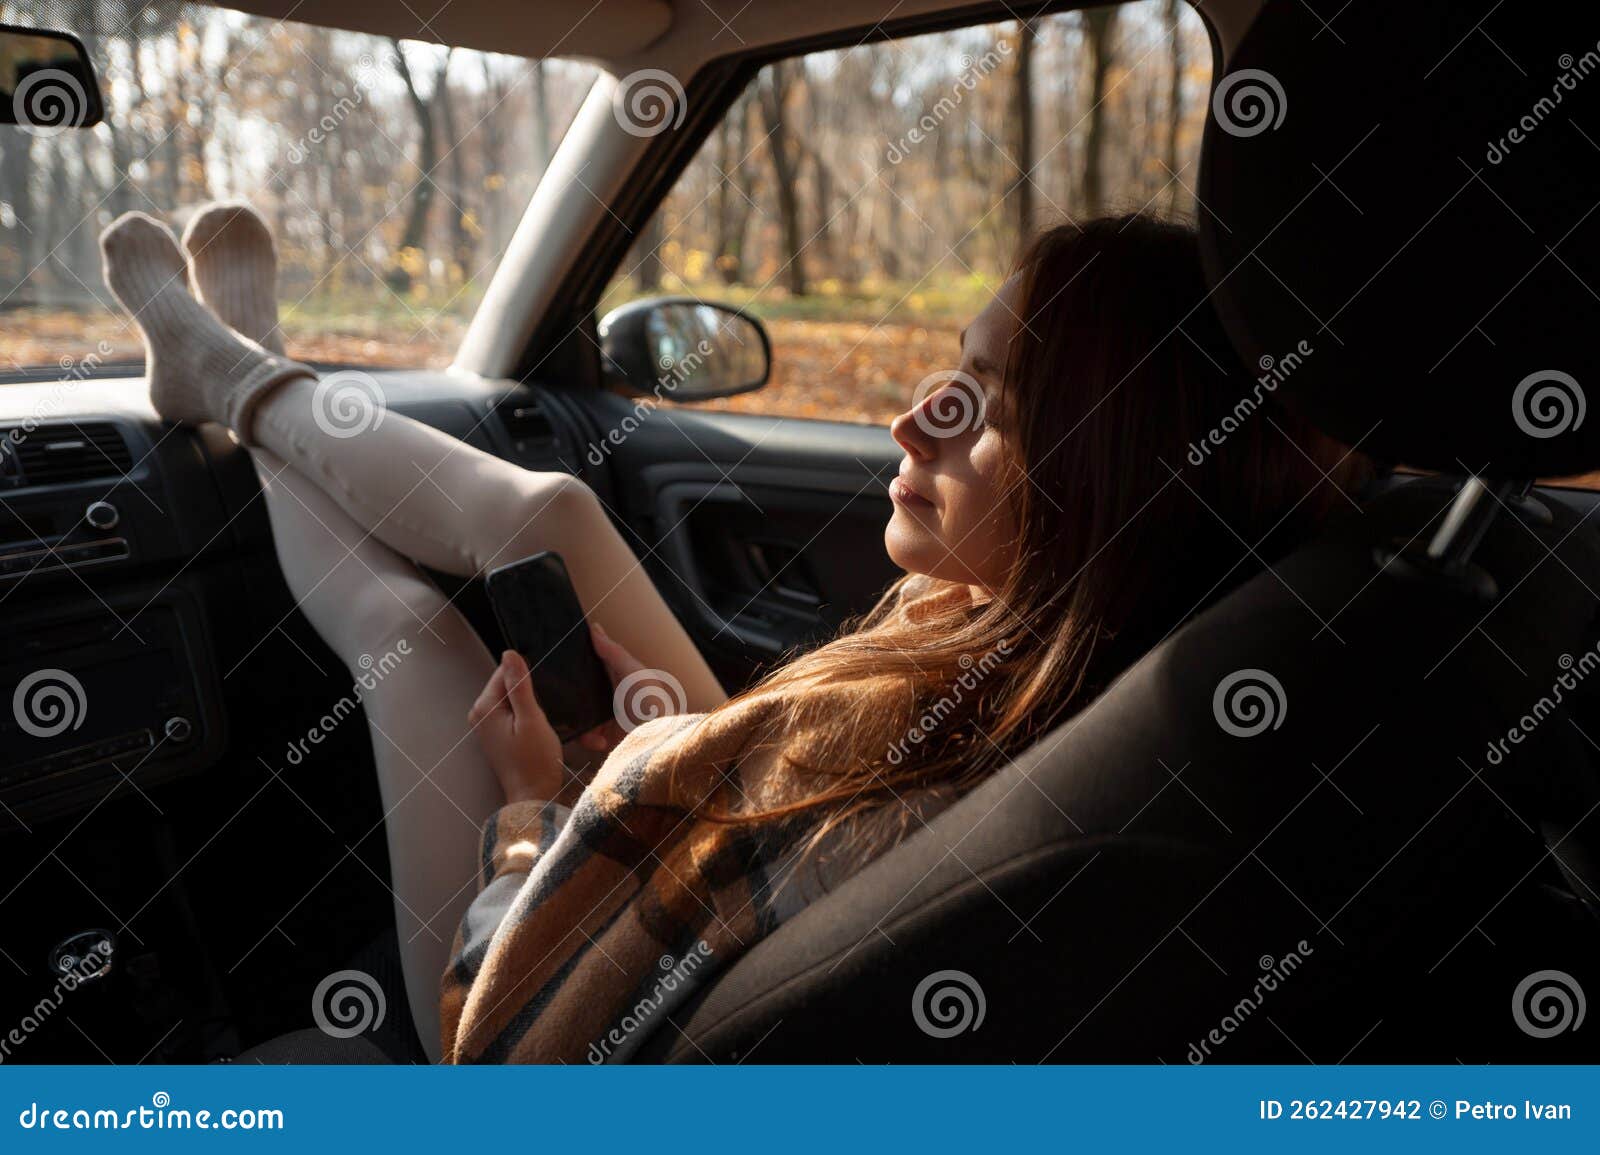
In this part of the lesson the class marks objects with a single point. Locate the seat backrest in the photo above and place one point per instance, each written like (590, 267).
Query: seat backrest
(1280, 837)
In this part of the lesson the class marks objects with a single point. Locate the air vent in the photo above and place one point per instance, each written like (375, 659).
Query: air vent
(533, 435)
(52, 454)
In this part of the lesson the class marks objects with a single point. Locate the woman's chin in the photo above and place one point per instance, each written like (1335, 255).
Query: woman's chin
(909, 544)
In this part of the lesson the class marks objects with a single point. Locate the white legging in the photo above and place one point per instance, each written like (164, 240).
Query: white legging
(347, 513)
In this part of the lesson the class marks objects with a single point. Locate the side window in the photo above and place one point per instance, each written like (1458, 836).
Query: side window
(865, 202)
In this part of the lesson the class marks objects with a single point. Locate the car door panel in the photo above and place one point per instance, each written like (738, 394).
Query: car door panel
(765, 533)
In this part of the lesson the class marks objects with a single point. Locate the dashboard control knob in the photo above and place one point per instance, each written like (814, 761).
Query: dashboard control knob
(179, 728)
(102, 515)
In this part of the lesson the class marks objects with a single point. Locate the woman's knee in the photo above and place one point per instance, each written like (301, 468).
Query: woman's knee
(552, 511)
(378, 614)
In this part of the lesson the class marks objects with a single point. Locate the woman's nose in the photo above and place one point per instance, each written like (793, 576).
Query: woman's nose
(910, 435)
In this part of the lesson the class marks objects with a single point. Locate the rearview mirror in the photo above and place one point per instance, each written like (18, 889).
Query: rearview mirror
(47, 83)
(690, 349)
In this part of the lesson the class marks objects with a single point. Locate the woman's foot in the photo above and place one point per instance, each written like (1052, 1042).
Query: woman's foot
(197, 367)
(233, 267)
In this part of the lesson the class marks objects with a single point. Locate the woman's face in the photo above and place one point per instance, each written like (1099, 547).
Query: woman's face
(952, 509)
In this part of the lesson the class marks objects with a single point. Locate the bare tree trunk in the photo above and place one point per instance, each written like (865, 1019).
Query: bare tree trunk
(648, 270)
(1174, 99)
(414, 235)
(1099, 27)
(456, 199)
(541, 115)
(1022, 123)
(774, 93)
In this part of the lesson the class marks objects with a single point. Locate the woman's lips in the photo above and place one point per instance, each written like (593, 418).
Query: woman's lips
(902, 494)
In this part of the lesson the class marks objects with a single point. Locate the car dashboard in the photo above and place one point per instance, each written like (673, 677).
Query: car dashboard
(129, 548)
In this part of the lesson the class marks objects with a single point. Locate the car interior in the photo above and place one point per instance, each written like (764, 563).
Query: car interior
(1118, 888)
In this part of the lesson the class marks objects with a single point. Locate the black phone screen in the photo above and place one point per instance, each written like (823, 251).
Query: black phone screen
(542, 620)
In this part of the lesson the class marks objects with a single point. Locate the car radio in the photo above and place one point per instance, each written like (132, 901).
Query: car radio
(98, 697)
(59, 536)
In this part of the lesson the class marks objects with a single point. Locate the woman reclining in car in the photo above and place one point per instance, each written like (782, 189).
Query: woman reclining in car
(1049, 524)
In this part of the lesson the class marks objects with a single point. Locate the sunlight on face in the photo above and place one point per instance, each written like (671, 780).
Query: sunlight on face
(952, 509)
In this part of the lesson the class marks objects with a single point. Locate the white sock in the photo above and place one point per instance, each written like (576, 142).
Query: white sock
(197, 367)
(233, 269)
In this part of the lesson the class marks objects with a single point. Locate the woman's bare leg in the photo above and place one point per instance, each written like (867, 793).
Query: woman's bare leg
(419, 666)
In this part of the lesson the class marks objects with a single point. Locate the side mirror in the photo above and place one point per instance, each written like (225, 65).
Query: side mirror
(687, 349)
(47, 83)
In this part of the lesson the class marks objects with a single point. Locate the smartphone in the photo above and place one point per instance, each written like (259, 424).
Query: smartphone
(541, 618)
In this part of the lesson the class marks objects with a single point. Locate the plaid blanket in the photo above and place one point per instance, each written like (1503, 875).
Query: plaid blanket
(592, 924)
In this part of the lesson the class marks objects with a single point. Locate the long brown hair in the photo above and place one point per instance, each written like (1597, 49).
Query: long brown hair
(1144, 454)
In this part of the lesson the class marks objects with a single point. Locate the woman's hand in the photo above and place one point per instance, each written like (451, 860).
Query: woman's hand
(619, 664)
(516, 737)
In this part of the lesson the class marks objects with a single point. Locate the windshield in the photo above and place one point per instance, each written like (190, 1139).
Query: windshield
(392, 172)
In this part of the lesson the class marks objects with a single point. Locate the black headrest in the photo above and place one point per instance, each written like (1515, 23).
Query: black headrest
(1401, 209)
